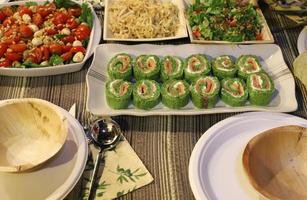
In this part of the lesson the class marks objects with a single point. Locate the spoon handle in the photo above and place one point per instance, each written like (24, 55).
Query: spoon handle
(92, 190)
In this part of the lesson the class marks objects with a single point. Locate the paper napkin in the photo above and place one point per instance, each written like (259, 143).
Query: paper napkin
(122, 172)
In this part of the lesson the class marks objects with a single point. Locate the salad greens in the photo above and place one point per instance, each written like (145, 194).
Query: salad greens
(56, 60)
(64, 3)
(227, 20)
(30, 3)
(86, 15)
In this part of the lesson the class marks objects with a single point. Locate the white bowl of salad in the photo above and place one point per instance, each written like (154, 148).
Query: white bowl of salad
(46, 38)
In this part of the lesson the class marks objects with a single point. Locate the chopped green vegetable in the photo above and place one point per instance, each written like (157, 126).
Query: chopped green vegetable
(60, 36)
(29, 64)
(85, 43)
(64, 3)
(31, 3)
(86, 15)
(56, 60)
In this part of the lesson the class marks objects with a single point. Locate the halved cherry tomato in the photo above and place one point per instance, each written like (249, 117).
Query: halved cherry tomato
(5, 63)
(66, 48)
(3, 48)
(7, 11)
(72, 23)
(84, 29)
(74, 11)
(37, 19)
(45, 51)
(24, 10)
(77, 49)
(12, 56)
(51, 31)
(68, 38)
(81, 35)
(60, 26)
(66, 56)
(56, 49)
(2, 15)
(38, 54)
(25, 31)
(18, 48)
(59, 18)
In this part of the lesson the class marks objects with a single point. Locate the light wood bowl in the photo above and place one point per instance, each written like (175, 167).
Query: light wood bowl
(31, 132)
(276, 163)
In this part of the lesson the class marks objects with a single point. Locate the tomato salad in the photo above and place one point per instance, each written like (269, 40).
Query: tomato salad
(54, 33)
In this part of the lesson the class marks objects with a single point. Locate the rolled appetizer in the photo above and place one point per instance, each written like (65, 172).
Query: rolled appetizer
(205, 92)
(234, 91)
(196, 65)
(248, 64)
(146, 94)
(175, 93)
(146, 67)
(171, 68)
(260, 88)
(120, 67)
(223, 67)
(118, 93)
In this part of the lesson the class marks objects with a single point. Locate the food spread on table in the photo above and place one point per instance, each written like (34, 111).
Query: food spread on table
(233, 21)
(142, 19)
(176, 79)
(51, 34)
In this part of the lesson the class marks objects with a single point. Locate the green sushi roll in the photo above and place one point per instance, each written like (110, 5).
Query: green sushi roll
(260, 88)
(146, 94)
(205, 92)
(223, 67)
(171, 68)
(248, 64)
(234, 91)
(175, 93)
(118, 93)
(146, 67)
(196, 65)
(120, 67)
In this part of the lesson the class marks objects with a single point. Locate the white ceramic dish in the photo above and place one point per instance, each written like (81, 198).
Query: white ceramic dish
(267, 35)
(59, 69)
(302, 41)
(181, 33)
(216, 169)
(55, 178)
(284, 99)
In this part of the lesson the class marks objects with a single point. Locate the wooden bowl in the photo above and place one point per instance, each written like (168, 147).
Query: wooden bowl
(276, 163)
(31, 132)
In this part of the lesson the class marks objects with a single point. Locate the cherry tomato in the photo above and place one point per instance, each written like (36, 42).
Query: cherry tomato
(43, 11)
(8, 33)
(51, 7)
(2, 15)
(5, 63)
(68, 38)
(55, 49)
(18, 48)
(51, 31)
(81, 36)
(232, 23)
(72, 23)
(59, 18)
(259, 36)
(25, 31)
(84, 29)
(45, 51)
(37, 19)
(38, 54)
(3, 48)
(12, 56)
(32, 58)
(74, 11)
(66, 48)
(59, 26)
(24, 10)
(12, 40)
(7, 11)
(77, 49)
(8, 21)
(66, 56)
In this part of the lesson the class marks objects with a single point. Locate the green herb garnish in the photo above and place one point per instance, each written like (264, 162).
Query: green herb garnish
(86, 15)
(29, 64)
(64, 3)
(55, 60)
(31, 3)
(60, 36)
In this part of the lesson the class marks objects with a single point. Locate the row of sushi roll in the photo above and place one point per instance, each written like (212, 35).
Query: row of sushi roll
(204, 92)
(151, 67)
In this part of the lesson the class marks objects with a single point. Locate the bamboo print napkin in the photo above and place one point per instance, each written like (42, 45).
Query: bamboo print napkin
(122, 172)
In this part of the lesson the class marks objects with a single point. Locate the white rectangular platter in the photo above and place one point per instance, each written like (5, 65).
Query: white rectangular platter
(270, 55)
(181, 32)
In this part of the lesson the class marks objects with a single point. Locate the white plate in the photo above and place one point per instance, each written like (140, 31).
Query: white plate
(284, 99)
(302, 41)
(59, 69)
(215, 169)
(55, 178)
(181, 33)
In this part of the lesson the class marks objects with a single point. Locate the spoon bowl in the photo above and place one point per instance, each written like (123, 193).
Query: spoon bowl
(275, 162)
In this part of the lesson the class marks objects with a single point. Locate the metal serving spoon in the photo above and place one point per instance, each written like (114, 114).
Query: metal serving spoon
(105, 134)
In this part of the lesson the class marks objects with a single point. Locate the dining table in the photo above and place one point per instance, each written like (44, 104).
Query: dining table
(163, 143)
